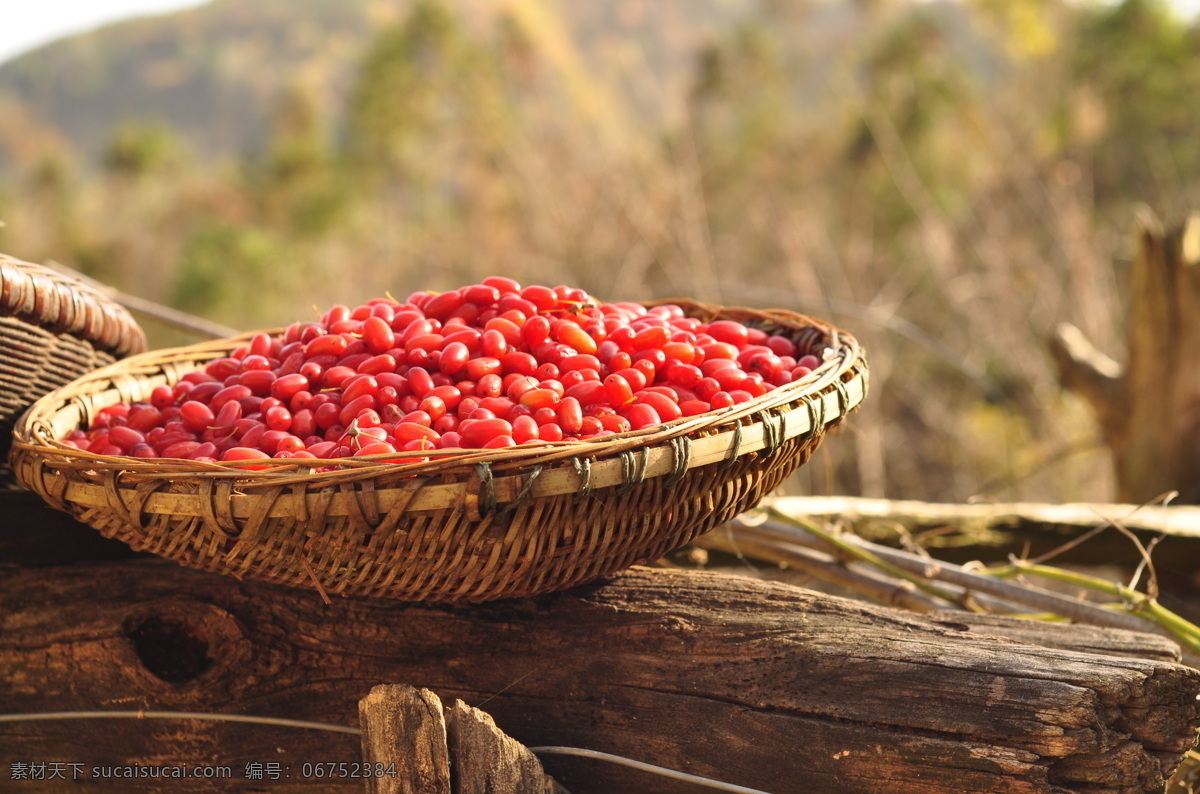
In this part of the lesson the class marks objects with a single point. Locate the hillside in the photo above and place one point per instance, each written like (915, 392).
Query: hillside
(215, 72)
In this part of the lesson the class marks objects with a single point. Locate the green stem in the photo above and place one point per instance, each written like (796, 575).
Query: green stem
(852, 550)
(1134, 600)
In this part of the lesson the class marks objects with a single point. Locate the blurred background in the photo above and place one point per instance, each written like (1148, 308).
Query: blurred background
(947, 180)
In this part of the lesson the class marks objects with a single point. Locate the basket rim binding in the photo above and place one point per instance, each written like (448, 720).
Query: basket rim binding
(59, 304)
(482, 480)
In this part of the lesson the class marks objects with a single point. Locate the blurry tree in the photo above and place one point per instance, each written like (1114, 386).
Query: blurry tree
(299, 147)
(917, 103)
(225, 271)
(404, 93)
(750, 151)
(24, 137)
(1143, 63)
(299, 182)
(741, 103)
(138, 149)
(52, 199)
(427, 135)
(1028, 26)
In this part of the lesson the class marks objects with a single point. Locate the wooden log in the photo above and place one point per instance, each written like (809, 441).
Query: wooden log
(758, 684)
(1149, 407)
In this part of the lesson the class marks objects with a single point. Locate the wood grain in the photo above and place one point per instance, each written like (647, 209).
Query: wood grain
(487, 761)
(404, 729)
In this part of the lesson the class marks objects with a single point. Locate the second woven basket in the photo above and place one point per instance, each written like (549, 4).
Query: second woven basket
(53, 328)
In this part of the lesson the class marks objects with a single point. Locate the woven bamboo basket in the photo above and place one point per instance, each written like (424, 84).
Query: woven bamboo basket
(465, 526)
(52, 330)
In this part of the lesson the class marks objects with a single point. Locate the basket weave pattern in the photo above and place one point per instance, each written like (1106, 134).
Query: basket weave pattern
(52, 330)
(471, 526)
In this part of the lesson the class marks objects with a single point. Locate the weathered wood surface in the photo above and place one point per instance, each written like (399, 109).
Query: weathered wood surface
(1084, 639)
(1148, 407)
(438, 749)
(487, 760)
(758, 684)
(404, 729)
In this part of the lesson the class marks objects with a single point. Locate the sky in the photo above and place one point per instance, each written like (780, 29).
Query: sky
(30, 23)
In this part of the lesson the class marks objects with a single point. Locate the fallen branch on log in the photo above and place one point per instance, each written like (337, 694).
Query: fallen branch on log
(892, 576)
(1182, 521)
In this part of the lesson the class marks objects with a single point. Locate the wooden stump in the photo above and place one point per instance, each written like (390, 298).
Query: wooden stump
(433, 749)
(404, 730)
(1149, 408)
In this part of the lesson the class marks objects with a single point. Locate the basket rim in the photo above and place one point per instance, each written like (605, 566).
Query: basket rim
(479, 479)
(60, 304)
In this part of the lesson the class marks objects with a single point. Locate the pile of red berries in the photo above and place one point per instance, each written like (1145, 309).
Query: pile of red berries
(486, 366)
